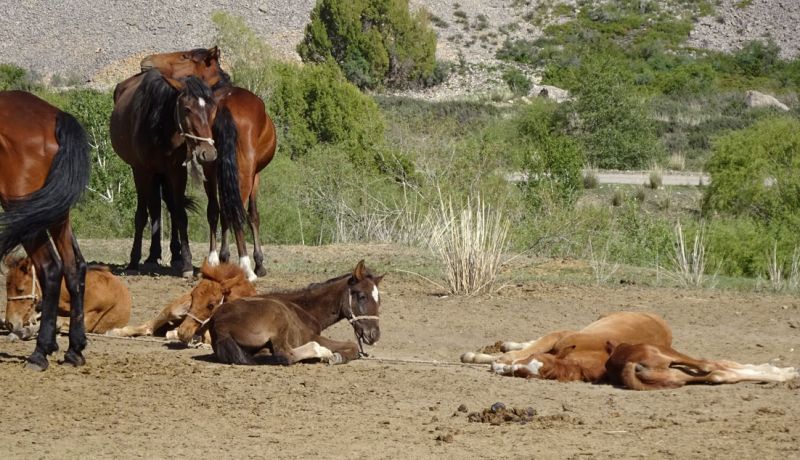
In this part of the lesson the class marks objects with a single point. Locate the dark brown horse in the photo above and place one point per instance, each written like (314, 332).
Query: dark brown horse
(160, 126)
(242, 126)
(44, 168)
(289, 324)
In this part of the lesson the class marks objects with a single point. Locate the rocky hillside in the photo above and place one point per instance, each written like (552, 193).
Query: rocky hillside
(86, 41)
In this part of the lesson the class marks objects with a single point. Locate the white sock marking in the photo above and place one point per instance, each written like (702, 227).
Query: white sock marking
(244, 262)
(213, 258)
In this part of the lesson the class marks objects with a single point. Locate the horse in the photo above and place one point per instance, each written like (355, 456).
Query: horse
(218, 284)
(202, 63)
(242, 126)
(159, 125)
(289, 324)
(44, 169)
(632, 350)
(106, 302)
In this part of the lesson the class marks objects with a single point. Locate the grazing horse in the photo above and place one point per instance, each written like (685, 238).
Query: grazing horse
(633, 350)
(158, 126)
(289, 324)
(218, 284)
(242, 129)
(106, 301)
(44, 168)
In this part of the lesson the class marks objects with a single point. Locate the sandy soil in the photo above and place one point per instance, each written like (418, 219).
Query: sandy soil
(145, 398)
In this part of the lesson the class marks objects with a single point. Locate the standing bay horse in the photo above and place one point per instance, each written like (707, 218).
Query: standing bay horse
(289, 324)
(633, 350)
(44, 168)
(160, 125)
(242, 129)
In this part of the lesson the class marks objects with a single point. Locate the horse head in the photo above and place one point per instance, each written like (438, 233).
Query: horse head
(363, 304)
(200, 62)
(23, 296)
(220, 284)
(195, 111)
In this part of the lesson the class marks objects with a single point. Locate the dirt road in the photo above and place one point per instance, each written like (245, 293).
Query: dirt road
(145, 398)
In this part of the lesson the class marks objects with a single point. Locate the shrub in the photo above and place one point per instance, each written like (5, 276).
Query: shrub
(375, 42)
(755, 172)
(517, 82)
(13, 77)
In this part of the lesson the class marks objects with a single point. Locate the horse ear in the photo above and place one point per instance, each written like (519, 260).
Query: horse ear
(205, 270)
(177, 84)
(213, 53)
(10, 260)
(360, 272)
(377, 280)
(228, 284)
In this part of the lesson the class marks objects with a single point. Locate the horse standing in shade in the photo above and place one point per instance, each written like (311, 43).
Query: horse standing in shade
(243, 130)
(290, 324)
(158, 126)
(44, 168)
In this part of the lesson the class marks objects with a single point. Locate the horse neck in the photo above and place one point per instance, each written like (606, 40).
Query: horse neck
(324, 302)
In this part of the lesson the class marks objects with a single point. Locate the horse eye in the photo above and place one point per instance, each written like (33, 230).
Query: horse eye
(210, 305)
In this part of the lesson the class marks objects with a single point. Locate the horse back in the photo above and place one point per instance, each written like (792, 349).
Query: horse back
(618, 327)
(256, 131)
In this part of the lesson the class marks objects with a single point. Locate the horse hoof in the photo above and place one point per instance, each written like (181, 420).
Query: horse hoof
(188, 274)
(74, 358)
(36, 363)
(261, 271)
(468, 357)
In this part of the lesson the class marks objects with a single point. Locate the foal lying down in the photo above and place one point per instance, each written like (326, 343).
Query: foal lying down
(289, 324)
(219, 283)
(106, 299)
(632, 350)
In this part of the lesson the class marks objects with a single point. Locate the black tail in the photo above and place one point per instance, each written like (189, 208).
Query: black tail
(225, 135)
(29, 215)
(229, 352)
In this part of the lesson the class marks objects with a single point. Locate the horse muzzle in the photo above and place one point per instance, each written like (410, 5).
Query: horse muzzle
(204, 152)
(370, 336)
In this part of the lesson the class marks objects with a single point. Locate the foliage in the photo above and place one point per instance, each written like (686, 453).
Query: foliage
(755, 172)
(517, 82)
(375, 42)
(13, 77)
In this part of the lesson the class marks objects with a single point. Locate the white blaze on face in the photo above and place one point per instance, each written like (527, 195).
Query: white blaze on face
(375, 293)
(201, 102)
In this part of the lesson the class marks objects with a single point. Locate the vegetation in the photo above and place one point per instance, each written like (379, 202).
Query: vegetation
(375, 42)
(355, 167)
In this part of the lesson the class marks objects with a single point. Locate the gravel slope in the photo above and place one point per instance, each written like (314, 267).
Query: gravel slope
(100, 42)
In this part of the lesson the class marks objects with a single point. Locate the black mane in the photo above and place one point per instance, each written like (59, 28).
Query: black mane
(154, 102)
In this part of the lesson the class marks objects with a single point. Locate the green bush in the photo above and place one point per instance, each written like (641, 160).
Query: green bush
(375, 42)
(755, 172)
(13, 77)
(517, 82)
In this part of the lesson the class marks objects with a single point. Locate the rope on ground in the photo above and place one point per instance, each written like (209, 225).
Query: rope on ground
(141, 338)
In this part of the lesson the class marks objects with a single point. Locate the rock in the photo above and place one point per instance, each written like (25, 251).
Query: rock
(756, 99)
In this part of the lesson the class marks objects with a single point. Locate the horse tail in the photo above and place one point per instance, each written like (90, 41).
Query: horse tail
(231, 205)
(229, 352)
(29, 215)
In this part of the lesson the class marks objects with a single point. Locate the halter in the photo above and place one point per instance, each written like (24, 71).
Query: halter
(32, 295)
(353, 318)
(183, 133)
(203, 322)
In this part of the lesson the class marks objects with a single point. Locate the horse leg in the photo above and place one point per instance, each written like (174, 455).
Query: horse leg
(244, 260)
(255, 222)
(224, 252)
(175, 240)
(212, 215)
(540, 345)
(181, 220)
(154, 209)
(48, 270)
(143, 182)
(172, 312)
(343, 351)
(74, 268)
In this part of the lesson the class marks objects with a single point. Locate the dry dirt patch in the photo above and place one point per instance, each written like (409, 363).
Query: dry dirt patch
(142, 398)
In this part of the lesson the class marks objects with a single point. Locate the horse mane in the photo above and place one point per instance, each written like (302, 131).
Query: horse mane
(222, 272)
(154, 102)
(197, 88)
(224, 77)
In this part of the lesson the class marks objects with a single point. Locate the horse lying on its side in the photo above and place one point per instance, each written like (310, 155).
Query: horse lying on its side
(107, 301)
(289, 324)
(219, 283)
(633, 350)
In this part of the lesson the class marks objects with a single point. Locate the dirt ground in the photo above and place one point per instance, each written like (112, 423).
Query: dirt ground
(146, 398)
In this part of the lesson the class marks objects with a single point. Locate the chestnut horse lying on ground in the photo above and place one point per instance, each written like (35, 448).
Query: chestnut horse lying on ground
(219, 283)
(289, 324)
(633, 350)
(106, 301)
